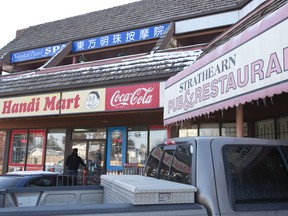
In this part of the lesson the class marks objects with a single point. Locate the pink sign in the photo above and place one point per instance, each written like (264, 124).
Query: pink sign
(141, 96)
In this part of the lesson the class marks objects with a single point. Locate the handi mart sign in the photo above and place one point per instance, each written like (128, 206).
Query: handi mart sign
(132, 97)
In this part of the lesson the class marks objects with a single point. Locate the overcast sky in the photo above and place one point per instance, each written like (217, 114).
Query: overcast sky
(19, 14)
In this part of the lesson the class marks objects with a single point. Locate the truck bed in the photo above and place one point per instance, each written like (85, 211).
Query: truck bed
(117, 195)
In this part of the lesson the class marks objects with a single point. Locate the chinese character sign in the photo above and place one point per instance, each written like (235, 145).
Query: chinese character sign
(135, 35)
(118, 38)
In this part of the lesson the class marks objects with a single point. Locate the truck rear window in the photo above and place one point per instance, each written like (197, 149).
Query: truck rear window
(171, 163)
(257, 175)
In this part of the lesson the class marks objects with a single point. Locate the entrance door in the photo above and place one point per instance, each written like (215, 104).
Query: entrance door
(95, 156)
(92, 152)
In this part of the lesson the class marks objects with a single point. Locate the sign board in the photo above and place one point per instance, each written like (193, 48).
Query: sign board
(119, 38)
(92, 100)
(38, 53)
(36, 105)
(114, 39)
(130, 97)
(142, 96)
(250, 66)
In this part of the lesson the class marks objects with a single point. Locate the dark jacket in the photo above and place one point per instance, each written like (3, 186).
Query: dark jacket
(73, 161)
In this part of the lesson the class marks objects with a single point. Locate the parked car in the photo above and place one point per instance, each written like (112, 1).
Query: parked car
(28, 179)
(55, 167)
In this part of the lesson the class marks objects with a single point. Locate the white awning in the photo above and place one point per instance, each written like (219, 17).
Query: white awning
(250, 66)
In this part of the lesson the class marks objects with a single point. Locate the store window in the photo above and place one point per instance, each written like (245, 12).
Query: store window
(188, 131)
(156, 135)
(137, 145)
(265, 129)
(27, 150)
(2, 146)
(209, 129)
(89, 133)
(134, 151)
(282, 128)
(229, 129)
(140, 138)
(55, 150)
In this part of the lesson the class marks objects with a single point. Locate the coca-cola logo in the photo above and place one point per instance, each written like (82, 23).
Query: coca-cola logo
(138, 97)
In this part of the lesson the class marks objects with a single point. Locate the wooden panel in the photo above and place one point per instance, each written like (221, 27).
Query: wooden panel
(132, 118)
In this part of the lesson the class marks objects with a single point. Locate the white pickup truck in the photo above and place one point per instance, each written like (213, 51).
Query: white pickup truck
(183, 176)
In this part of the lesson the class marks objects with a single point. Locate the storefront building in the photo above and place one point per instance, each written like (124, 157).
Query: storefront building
(101, 91)
(111, 126)
(238, 87)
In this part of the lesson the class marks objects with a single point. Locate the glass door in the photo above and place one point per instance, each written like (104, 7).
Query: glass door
(92, 153)
(91, 144)
(95, 157)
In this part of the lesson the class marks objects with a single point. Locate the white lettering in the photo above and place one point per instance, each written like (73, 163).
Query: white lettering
(138, 97)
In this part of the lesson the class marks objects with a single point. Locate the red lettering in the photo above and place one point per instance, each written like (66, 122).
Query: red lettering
(68, 103)
(7, 107)
(50, 103)
(24, 107)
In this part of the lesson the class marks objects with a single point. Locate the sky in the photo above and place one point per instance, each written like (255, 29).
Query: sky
(20, 14)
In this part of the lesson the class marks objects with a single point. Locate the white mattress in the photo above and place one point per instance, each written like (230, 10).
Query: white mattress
(141, 190)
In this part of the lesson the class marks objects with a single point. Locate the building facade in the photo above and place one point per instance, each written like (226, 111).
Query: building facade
(238, 86)
(100, 87)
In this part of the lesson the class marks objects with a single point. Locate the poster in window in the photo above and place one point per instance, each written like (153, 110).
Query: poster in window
(116, 148)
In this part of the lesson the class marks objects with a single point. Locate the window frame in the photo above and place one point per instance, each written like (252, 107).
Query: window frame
(164, 149)
(231, 185)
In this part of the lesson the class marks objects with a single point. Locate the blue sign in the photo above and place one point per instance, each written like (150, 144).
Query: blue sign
(38, 53)
(116, 148)
(119, 38)
(135, 35)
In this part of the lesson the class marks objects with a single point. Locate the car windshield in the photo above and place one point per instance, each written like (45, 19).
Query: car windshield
(9, 181)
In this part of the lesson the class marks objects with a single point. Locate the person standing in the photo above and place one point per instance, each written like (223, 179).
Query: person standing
(73, 161)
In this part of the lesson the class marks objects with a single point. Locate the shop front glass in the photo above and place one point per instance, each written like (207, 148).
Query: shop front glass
(27, 150)
(141, 140)
(188, 131)
(137, 145)
(205, 129)
(209, 129)
(229, 129)
(128, 147)
(265, 129)
(91, 148)
(282, 128)
(55, 149)
(156, 135)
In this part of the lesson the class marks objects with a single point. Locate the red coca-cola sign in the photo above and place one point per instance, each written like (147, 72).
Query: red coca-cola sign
(142, 96)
